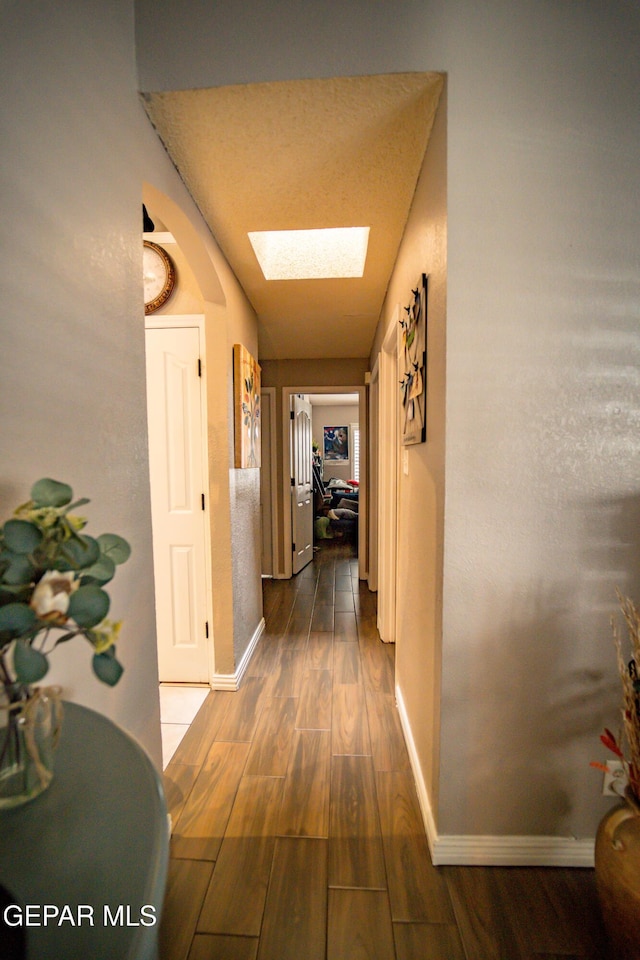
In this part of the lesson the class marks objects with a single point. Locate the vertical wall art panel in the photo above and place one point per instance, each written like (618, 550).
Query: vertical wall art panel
(413, 364)
(246, 384)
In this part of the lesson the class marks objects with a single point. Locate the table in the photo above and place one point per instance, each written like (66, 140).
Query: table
(94, 847)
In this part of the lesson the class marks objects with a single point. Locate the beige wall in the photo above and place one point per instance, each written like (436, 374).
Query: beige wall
(319, 373)
(421, 490)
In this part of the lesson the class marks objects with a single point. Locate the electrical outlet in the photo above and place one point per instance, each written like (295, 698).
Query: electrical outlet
(615, 779)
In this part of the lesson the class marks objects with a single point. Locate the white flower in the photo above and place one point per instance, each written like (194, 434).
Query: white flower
(50, 599)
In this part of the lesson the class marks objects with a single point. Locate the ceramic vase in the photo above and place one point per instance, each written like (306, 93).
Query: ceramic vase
(617, 863)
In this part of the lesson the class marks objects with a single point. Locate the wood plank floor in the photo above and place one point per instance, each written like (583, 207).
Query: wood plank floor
(296, 828)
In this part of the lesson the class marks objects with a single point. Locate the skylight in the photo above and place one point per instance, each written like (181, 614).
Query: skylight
(311, 254)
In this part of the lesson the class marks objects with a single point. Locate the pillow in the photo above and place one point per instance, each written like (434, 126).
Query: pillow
(348, 505)
(335, 484)
(340, 514)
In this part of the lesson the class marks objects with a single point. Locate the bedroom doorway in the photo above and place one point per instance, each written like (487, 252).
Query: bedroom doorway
(338, 428)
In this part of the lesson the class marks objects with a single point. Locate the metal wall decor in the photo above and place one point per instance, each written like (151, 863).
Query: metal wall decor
(413, 366)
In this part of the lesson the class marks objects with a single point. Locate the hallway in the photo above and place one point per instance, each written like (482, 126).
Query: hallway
(296, 828)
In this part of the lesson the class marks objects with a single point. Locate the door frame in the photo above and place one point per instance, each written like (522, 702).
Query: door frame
(268, 399)
(374, 467)
(183, 321)
(388, 486)
(287, 393)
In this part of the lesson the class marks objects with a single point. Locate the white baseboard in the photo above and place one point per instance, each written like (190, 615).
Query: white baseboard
(514, 851)
(492, 851)
(421, 787)
(231, 681)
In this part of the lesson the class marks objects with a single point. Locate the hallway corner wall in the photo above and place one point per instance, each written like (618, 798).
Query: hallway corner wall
(73, 394)
(543, 358)
(421, 487)
(73, 386)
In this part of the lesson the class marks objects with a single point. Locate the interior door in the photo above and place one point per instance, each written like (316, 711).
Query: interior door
(301, 483)
(177, 502)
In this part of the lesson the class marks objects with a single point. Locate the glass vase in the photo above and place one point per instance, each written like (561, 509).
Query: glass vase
(29, 733)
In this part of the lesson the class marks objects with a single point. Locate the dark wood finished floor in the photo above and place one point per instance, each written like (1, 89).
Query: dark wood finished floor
(296, 828)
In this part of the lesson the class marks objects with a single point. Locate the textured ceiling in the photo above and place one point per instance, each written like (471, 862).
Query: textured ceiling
(298, 155)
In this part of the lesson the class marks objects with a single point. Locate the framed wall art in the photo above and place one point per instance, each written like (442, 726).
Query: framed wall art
(246, 397)
(336, 443)
(413, 366)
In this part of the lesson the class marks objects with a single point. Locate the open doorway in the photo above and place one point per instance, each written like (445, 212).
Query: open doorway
(338, 434)
(336, 468)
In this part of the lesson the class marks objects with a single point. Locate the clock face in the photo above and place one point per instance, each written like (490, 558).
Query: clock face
(158, 274)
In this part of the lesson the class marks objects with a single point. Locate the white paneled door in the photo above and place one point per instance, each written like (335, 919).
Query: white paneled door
(177, 502)
(301, 483)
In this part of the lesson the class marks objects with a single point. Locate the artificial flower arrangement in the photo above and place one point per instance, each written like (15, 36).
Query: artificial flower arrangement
(628, 666)
(52, 579)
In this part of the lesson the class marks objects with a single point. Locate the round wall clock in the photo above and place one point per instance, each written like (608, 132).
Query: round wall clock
(158, 274)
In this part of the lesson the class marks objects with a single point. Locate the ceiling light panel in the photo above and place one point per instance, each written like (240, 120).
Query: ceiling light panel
(311, 254)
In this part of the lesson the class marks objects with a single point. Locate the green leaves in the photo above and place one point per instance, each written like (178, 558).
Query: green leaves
(114, 547)
(21, 537)
(29, 664)
(51, 493)
(51, 585)
(18, 569)
(16, 619)
(106, 667)
(100, 572)
(80, 552)
(89, 605)
(114, 550)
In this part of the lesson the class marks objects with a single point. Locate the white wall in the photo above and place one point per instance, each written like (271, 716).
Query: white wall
(542, 496)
